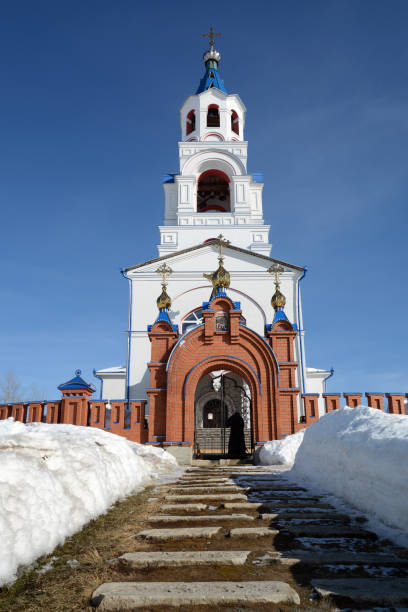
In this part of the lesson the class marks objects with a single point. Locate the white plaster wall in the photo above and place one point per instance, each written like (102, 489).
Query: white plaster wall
(114, 387)
(315, 384)
(196, 228)
(139, 376)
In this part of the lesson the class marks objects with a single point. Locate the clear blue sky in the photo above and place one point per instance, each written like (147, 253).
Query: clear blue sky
(89, 123)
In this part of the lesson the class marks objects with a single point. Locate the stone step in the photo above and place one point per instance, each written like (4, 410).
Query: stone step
(185, 507)
(318, 557)
(282, 496)
(324, 531)
(213, 518)
(273, 487)
(277, 505)
(242, 505)
(114, 596)
(285, 516)
(385, 591)
(206, 482)
(252, 532)
(219, 497)
(184, 558)
(181, 533)
(205, 490)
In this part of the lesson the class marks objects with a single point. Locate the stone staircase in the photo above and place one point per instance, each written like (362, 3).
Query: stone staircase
(246, 536)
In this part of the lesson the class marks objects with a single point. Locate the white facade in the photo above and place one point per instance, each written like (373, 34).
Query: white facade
(211, 195)
(207, 149)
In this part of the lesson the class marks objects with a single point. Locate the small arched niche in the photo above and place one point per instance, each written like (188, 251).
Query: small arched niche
(190, 122)
(213, 192)
(213, 116)
(235, 122)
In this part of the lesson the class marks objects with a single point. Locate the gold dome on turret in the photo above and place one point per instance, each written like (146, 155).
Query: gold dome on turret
(164, 300)
(278, 299)
(220, 279)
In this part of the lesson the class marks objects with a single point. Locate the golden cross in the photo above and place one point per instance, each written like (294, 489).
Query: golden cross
(276, 269)
(164, 272)
(211, 35)
(222, 242)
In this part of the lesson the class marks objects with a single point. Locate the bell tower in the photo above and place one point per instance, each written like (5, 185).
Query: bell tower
(213, 190)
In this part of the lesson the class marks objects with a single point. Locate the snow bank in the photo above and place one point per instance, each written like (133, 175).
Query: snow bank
(360, 454)
(281, 451)
(56, 478)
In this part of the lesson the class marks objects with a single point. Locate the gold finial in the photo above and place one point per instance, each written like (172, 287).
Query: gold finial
(211, 35)
(164, 300)
(220, 279)
(278, 299)
(276, 269)
(164, 272)
(222, 241)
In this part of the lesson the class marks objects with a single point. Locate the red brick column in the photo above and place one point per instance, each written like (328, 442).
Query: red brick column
(35, 412)
(163, 338)
(311, 407)
(288, 411)
(235, 316)
(395, 403)
(19, 412)
(375, 400)
(332, 401)
(157, 415)
(353, 399)
(137, 431)
(117, 417)
(97, 414)
(4, 412)
(74, 410)
(53, 412)
(209, 326)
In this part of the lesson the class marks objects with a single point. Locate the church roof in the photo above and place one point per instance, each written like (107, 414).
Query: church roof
(210, 79)
(76, 383)
(207, 243)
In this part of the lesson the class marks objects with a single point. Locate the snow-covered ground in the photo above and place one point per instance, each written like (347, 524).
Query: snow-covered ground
(56, 478)
(359, 455)
(281, 451)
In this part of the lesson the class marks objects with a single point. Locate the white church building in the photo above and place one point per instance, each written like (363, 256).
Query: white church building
(212, 202)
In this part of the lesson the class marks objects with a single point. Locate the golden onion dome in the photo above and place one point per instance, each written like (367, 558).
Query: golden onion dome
(164, 300)
(220, 279)
(278, 299)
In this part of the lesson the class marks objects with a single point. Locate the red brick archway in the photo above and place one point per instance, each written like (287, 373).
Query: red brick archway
(239, 350)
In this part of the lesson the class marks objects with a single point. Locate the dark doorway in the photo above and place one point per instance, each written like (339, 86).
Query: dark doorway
(217, 433)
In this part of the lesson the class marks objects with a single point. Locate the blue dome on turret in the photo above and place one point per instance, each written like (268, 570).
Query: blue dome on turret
(211, 77)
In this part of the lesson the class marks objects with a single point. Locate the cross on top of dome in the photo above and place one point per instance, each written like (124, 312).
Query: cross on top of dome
(211, 35)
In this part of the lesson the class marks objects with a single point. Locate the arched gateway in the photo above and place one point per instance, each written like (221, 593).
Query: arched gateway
(218, 368)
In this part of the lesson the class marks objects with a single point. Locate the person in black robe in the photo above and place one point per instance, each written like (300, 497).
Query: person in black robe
(236, 443)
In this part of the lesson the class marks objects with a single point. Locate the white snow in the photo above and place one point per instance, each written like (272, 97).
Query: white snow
(56, 478)
(359, 456)
(281, 451)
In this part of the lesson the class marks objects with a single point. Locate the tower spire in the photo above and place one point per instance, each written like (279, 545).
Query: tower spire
(212, 58)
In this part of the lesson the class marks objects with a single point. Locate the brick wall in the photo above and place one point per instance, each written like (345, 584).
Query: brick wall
(79, 410)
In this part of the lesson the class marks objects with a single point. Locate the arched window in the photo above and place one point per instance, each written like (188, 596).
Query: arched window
(234, 122)
(192, 320)
(213, 116)
(213, 193)
(190, 123)
(195, 318)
